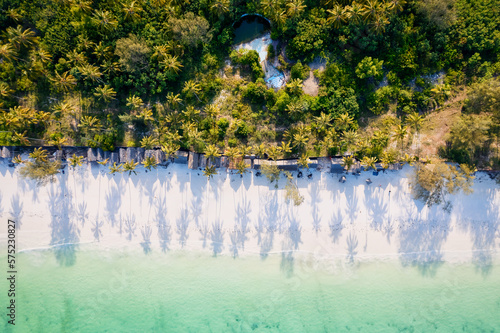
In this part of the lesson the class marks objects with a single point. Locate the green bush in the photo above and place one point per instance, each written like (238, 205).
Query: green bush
(299, 71)
(242, 130)
(222, 126)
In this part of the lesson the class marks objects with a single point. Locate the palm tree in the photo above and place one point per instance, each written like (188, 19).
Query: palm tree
(21, 138)
(350, 139)
(343, 121)
(106, 93)
(150, 162)
(81, 6)
(18, 160)
(104, 20)
(58, 141)
(354, 12)
(64, 82)
(209, 171)
(233, 153)
(75, 161)
(148, 142)
(295, 8)
(396, 5)
(5, 90)
(371, 10)
(303, 161)
(241, 167)
(400, 133)
(134, 102)
(323, 121)
(173, 100)
(337, 16)
(110, 67)
(441, 92)
(378, 24)
(347, 162)
(115, 168)
(39, 155)
(260, 150)
(387, 159)
(414, 121)
(90, 72)
(170, 150)
(171, 64)
(369, 162)
(274, 152)
(7, 53)
(220, 7)
(101, 51)
(295, 86)
(410, 159)
(131, 11)
(90, 124)
(300, 141)
(20, 37)
(130, 167)
(211, 152)
(146, 114)
(191, 88)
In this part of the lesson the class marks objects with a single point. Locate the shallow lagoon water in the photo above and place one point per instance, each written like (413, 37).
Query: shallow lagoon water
(185, 291)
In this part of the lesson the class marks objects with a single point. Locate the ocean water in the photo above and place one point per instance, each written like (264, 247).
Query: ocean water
(184, 291)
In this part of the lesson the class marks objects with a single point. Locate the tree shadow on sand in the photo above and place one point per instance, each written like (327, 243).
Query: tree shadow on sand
(217, 238)
(269, 220)
(352, 245)
(421, 241)
(130, 226)
(483, 226)
(182, 225)
(163, 225)
(315, 200)
(146, 232)
(96, 229)
(241, 228)
(113, 203)
(16, 210)
(291, 241)
(336, 226)
(64, 233)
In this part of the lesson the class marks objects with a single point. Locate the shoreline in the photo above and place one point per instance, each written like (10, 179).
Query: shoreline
(166, 210)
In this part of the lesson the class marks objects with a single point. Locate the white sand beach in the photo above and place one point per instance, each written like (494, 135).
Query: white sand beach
(176, 208)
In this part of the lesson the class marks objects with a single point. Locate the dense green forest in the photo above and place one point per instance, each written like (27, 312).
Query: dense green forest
(154, 73)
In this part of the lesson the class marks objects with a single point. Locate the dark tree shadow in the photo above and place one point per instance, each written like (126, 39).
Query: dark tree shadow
(290, 244)
(82, 214)
(377, 206)
(420, 243)
(196, 209)
(217, 238)
(182, 225)
(483, 226)
(146, 232)
(96, 230)
(130, 226)
(164, 228)
(270, 220)
(64, 233)
(16, 210)
(113, 203)
(352, 245)
(243, 211)
(336, 226)
(234, 243)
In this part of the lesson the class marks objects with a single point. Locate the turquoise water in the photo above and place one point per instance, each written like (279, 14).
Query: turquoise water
(119, 291)
(249, 27)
